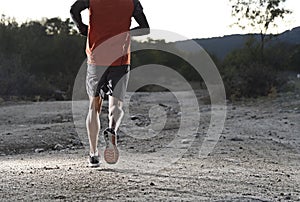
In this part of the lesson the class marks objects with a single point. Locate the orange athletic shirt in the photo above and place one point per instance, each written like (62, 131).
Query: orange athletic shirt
(108, 42)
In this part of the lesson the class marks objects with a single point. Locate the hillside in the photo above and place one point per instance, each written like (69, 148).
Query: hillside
(221, 46)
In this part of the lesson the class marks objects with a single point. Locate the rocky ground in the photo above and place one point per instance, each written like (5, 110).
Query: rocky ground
(257, 157)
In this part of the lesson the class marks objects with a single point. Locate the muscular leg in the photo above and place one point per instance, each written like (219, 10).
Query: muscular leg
(93, 122)
(116, 113)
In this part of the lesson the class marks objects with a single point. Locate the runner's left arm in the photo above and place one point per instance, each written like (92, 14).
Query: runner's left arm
(140, 18)
(75, 12)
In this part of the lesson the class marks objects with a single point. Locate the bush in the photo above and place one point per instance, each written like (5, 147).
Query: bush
(245, 74)
(251, 80)
(15, 81)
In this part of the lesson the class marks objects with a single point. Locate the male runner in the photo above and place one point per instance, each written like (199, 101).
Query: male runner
(108, 53)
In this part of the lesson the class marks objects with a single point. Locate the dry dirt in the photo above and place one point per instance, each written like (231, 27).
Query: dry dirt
(257, 157)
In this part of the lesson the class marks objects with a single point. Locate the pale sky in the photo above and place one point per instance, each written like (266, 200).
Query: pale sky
(190, 18)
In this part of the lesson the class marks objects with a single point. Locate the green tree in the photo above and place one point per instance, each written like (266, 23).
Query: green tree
(260, 15)
(39, 57)
(57, 26)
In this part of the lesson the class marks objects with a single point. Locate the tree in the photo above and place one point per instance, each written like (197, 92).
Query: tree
(258, 14)
(56, 26)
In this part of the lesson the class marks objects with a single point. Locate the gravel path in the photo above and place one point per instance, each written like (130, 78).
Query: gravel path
(256, 159)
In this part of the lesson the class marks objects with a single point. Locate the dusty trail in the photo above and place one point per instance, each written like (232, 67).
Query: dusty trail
(256, 159)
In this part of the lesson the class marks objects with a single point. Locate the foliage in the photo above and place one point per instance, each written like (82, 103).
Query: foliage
(35, 55)
(258, 14)
(245, 76)
(251, 80)
(294, 59)
(253, 71)
(41, 58)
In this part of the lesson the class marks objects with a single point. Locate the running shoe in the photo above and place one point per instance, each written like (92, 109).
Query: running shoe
(94, 160)
(111, 152)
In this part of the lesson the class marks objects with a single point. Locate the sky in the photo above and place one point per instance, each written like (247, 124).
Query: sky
(189, 18)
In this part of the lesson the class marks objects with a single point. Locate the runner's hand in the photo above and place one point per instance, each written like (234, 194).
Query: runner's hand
(83, 29)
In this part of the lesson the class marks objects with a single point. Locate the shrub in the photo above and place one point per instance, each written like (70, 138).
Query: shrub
(249, 80)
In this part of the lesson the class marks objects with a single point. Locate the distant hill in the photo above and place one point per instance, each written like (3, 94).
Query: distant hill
(221, 46)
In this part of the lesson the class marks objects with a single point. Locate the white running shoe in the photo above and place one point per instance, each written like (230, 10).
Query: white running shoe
(111, 152)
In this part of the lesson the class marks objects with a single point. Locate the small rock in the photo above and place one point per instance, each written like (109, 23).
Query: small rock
(77, 143)
(39, 150)
(44, 128)
(152, 150)
(151, 131)
(60, 197)
(197, 135)
(59, 117)
(51, 168)
(287, 198)
(236, 139)
(58, 147)
(133, 118)
(185, 141)
(152, 184)
(162, 105)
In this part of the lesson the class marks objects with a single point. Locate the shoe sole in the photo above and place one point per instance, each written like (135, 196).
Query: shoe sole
(111, 152)
(94, 165)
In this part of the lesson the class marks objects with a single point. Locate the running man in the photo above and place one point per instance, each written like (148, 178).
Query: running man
(108, 58)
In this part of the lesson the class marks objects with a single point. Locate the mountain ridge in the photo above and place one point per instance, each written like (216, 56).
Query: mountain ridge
(221, 46)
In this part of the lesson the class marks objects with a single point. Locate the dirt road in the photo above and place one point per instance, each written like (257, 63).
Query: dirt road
(257, 158)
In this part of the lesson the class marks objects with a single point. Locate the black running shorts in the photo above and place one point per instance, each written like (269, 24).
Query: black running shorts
(104, 81)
